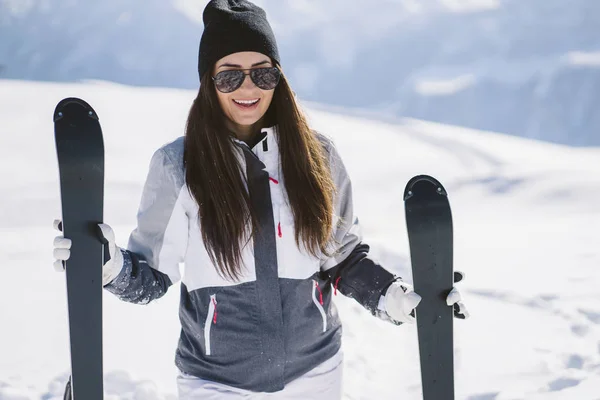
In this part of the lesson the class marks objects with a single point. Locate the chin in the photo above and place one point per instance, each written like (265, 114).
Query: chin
(247, 120)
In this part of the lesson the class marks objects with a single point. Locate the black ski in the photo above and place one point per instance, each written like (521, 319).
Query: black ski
(80, 150)
(429, 223)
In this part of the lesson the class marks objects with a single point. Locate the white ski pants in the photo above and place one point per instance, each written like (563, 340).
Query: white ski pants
(323, 382)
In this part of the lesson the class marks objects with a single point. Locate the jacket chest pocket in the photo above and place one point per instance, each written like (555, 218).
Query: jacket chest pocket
(317, 297)
(211, 319)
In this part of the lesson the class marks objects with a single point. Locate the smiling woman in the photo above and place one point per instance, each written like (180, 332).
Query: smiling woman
(258, 207)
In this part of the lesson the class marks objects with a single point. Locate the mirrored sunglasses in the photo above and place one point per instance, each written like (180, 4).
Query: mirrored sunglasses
(263, 78)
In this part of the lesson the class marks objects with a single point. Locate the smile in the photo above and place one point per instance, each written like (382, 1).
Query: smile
(246, 103)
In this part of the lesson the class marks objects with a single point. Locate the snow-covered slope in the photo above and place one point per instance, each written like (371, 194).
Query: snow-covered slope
(526, 217)
(526, 67)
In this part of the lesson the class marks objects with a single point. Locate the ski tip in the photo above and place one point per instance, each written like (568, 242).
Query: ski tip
(73, 106)
(419, 182)
(68, 390)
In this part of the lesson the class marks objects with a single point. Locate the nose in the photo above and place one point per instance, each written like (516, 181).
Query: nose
(247, 83)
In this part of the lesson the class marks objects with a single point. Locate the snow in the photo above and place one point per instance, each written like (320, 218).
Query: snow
(585, 59)
(470, 6)
(444, 87)
(526, 215)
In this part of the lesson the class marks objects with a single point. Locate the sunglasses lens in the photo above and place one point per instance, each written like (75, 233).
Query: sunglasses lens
(265, 78)
(228, 81)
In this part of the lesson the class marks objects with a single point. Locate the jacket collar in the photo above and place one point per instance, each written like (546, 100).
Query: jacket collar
(264, 144)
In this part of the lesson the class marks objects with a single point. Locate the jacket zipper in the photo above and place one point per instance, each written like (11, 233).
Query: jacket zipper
(319, 305)
(210, 319)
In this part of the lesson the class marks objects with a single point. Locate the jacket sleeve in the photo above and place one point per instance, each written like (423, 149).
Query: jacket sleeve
(159, 242)
(350, 269)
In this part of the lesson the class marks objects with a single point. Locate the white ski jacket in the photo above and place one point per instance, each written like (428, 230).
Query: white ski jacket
(279, 321)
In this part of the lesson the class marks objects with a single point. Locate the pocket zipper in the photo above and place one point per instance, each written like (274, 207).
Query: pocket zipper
(210, 319)
(319, 306)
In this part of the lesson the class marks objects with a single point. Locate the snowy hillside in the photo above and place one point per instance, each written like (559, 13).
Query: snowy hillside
(526, 67)
(526, 216)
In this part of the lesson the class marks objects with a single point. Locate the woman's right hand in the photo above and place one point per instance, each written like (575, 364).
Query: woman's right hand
(62, 252)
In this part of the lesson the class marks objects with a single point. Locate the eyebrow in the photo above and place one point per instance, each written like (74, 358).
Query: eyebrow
(239, 66)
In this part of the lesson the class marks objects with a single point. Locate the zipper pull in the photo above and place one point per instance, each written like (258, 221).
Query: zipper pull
(215, 315)
(320, 293)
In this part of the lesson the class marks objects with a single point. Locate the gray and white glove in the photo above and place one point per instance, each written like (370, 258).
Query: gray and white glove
(110, 270)
(400, 300)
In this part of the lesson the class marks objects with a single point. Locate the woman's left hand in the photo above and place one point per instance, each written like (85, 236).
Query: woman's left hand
(401, 300)
(454, 299)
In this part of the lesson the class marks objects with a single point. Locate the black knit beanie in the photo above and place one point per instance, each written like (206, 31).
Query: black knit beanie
(231, 26)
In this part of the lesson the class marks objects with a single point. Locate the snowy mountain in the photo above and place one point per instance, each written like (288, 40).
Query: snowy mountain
(526, 67)
(121, 41)
(526, 216)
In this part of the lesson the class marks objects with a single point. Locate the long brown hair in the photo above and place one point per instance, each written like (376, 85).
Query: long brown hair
(215, 180)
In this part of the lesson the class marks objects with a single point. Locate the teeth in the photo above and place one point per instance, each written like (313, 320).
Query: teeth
(246, 101)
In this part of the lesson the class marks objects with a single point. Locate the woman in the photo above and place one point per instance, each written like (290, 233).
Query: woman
(259, 208)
